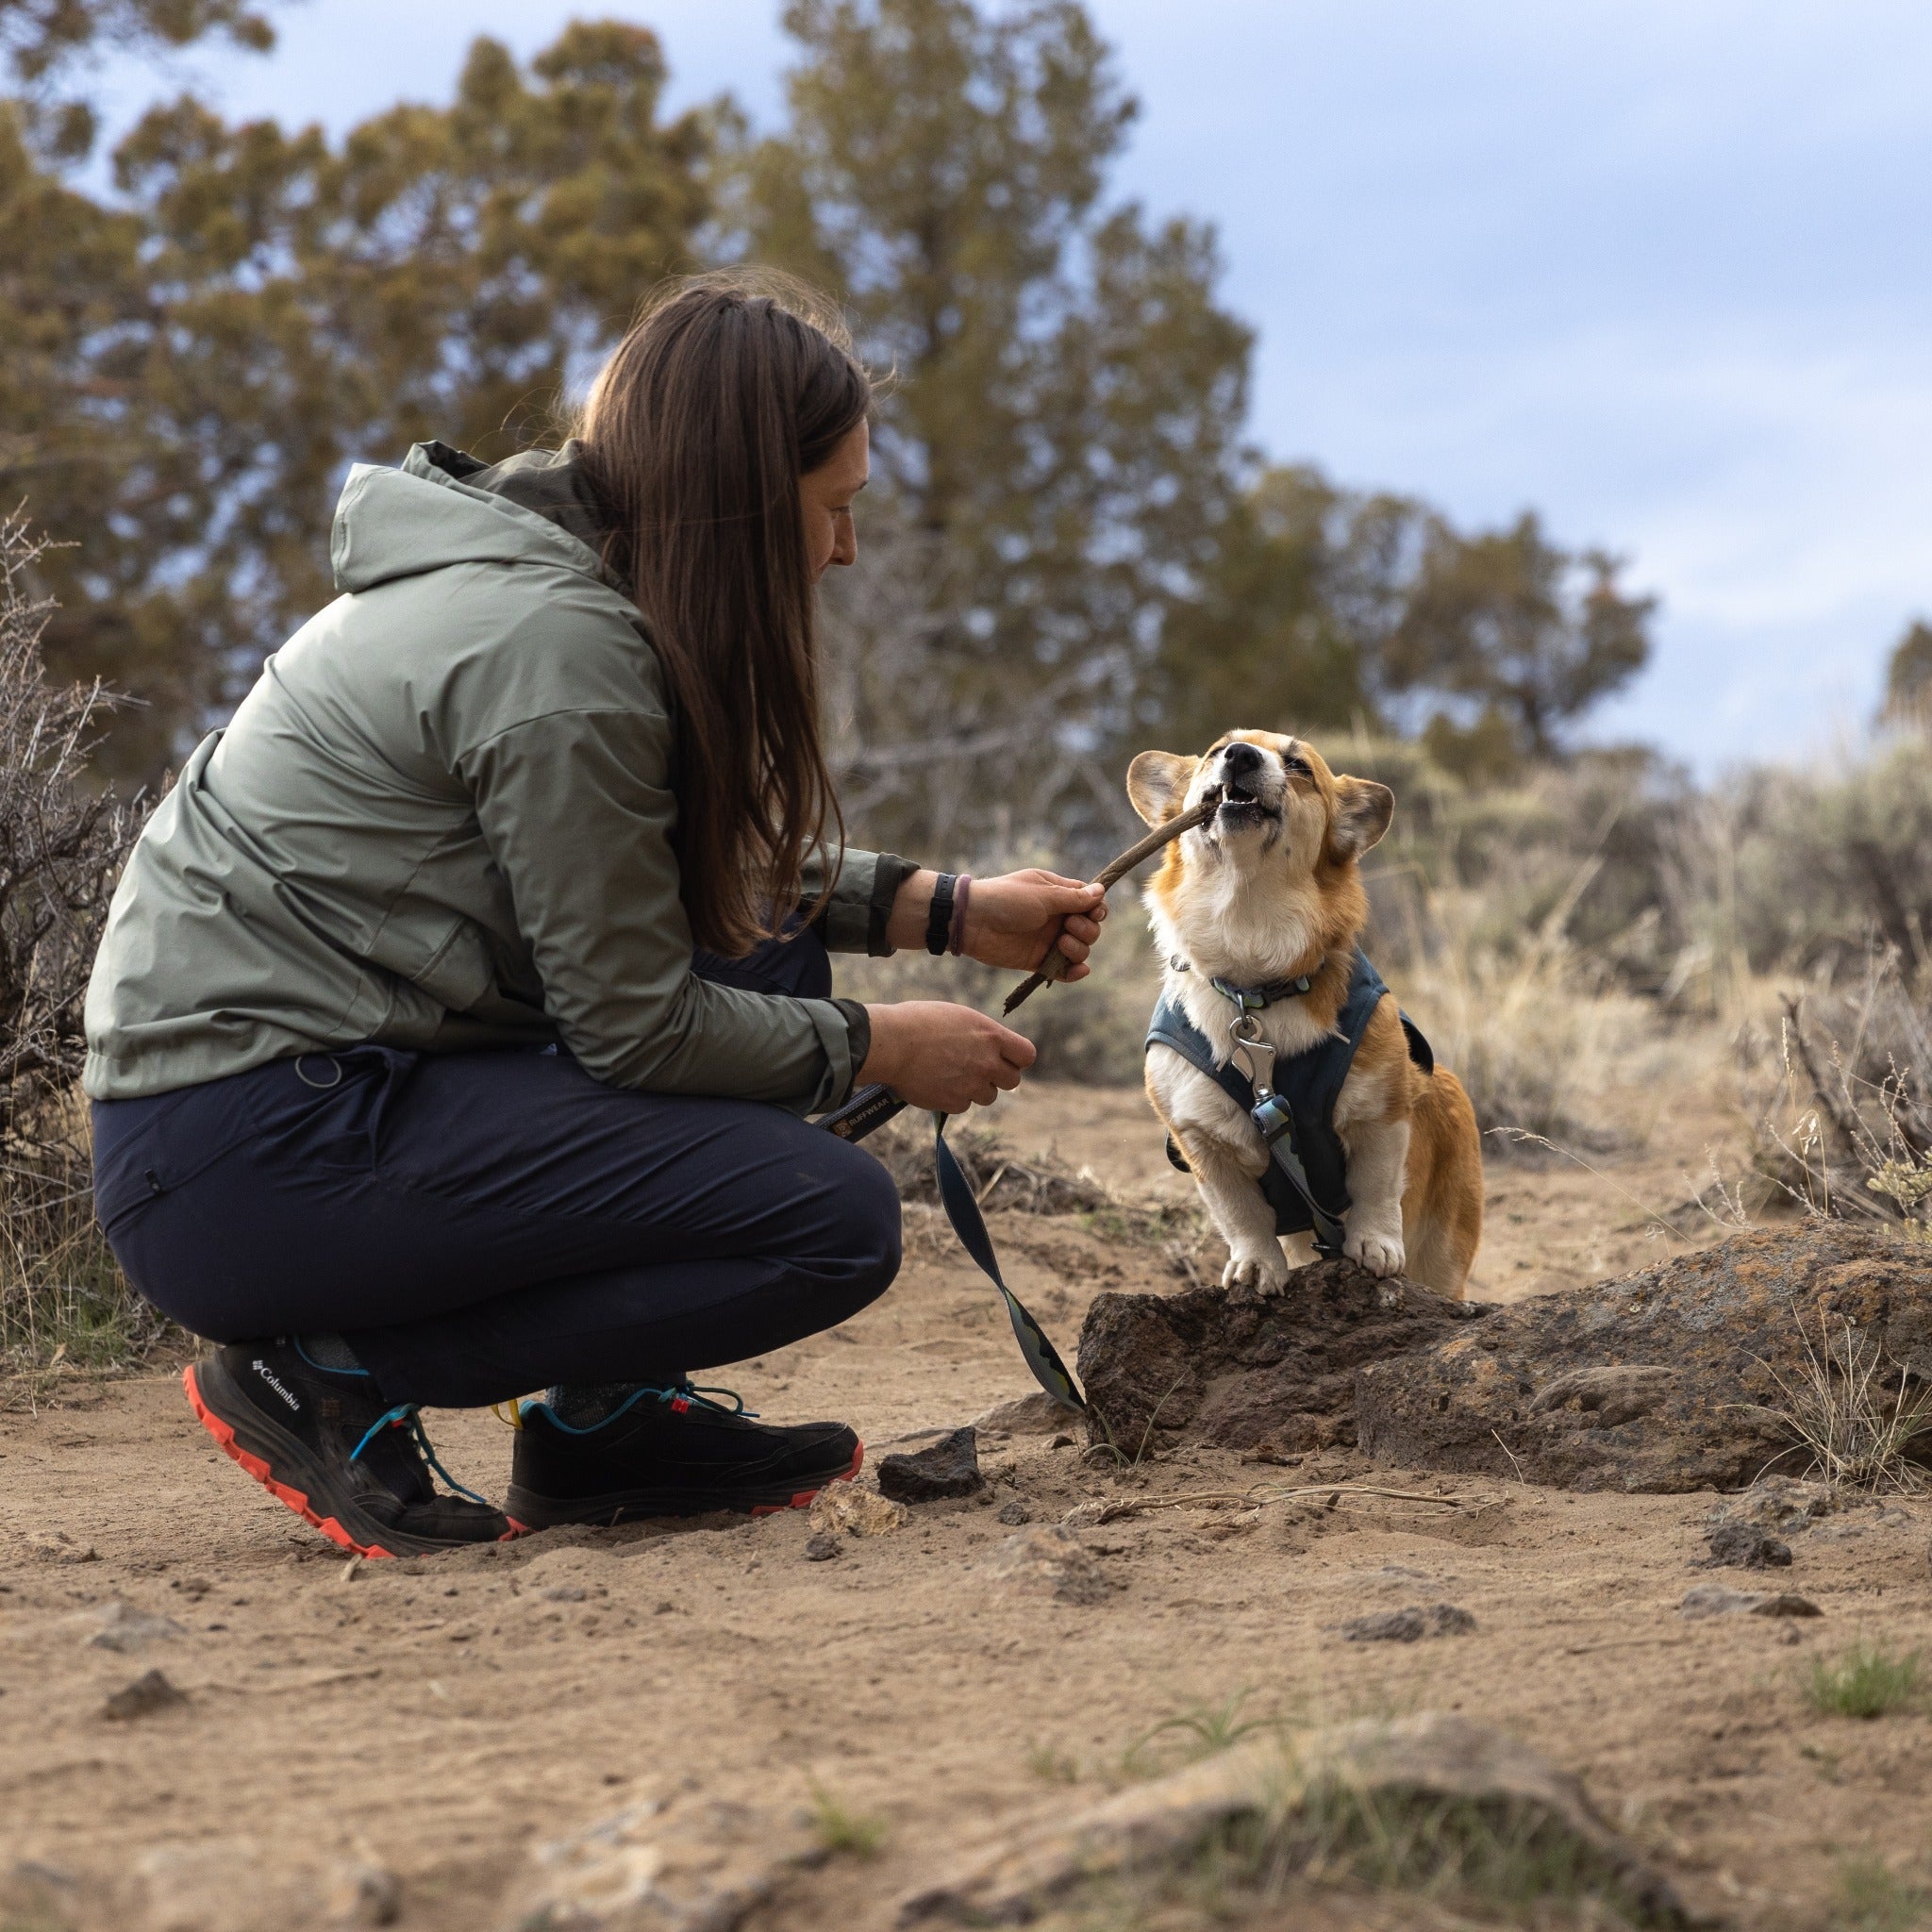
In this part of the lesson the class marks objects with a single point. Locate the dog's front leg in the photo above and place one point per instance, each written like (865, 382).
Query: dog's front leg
(1377, 1160)
(1228, 1158)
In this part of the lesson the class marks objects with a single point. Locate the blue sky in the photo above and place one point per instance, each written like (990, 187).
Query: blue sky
(1661, 271)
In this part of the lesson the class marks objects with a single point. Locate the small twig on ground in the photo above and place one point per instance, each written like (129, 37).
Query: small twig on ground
(1511, 1454)
(1261, 1493)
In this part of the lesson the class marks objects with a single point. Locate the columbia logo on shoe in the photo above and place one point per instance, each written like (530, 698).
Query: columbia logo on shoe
(268, 1375)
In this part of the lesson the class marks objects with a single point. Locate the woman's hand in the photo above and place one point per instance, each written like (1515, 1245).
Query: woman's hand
(1014, 920)
(943, 1057)
(1010, 921)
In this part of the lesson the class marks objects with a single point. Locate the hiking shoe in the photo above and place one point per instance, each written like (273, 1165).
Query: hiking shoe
(324, 1443)
(669, 1451)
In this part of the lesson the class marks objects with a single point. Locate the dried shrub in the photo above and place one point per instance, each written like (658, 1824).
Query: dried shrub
(61, 847)
(1844, 1117)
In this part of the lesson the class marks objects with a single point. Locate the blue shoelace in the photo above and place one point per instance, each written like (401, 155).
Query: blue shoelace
(680, 1396)
(404, 1415)
(407, 1415)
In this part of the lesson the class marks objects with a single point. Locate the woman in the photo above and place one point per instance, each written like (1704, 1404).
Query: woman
(461, 1007)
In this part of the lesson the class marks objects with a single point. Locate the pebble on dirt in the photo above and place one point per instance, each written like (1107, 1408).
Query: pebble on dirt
(120, 1627)
(1047, 1560)
(1037, 1414)
(821, 1546)
(1014, 1514)
(949, 1467)
(857, 1511)
(149, 1692)
(1745, 1546)
(1408, 1626)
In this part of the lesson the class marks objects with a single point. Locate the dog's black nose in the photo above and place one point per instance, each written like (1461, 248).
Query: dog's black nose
(1241, 759)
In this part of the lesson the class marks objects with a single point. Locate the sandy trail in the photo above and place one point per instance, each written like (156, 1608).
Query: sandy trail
(441, 1718)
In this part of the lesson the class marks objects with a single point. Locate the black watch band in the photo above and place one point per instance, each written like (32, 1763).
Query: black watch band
(939, 917)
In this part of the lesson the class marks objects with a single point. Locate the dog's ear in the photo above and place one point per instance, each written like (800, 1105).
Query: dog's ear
(1362, 811)
(1157, 784)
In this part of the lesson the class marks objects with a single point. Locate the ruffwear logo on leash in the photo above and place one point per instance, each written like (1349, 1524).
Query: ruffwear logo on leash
(274, 1382)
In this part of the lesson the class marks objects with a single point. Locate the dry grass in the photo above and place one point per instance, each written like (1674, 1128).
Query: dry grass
(62, 840)
(1844, 1103)
(1855, 1410)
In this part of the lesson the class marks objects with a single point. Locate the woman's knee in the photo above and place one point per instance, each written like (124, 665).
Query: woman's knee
(868, 1228)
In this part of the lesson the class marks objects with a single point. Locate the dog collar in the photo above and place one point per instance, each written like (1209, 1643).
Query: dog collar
(1251, 999)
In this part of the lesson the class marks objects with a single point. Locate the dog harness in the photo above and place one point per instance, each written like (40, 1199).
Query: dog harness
(1293, 1106)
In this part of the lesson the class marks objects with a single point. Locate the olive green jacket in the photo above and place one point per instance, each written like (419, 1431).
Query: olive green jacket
(442, 820)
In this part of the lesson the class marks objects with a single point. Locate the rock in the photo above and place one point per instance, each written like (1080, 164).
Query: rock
(120, 1627)
(949, 1468)
(821, 1546)
(1037, 1414)
(149, 1692)
(246, 1885)
(677, 1862)
(1014, 1514)
(1047, 1560)
(37, 1897)
(1407, 1626)
(1745, 1546)
(1781, 1501)
(1655, 1382)
(1227, 1367)
(58, 1547)
(1433, 1759)
(845, 1508)
(357, 1894)
(1715, 1600)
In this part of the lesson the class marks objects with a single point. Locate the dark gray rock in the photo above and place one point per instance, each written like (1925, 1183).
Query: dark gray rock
(821, 1546)
(1408, 1626)
(949, 1468)
(1014, 1514)
(1745, 1546)
(149, 1692)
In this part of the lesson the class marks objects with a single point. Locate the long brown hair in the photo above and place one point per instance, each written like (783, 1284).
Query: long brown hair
(725, 392)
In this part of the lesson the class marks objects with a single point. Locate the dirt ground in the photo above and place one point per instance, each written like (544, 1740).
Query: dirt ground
(440, 1719)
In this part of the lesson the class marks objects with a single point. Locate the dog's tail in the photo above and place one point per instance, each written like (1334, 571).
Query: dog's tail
(1442, 1209)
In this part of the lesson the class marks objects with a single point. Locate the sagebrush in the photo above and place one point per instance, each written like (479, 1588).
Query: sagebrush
(62, 843)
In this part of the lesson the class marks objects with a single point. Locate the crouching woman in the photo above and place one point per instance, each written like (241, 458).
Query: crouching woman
(462, 1005)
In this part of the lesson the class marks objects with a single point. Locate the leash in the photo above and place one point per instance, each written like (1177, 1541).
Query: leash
(873, 1107)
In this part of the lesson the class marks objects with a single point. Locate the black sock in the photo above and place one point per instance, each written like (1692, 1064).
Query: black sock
(584, 1404)
(330, 1352)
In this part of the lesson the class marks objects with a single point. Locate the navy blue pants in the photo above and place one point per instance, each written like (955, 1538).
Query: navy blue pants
(480, 1224)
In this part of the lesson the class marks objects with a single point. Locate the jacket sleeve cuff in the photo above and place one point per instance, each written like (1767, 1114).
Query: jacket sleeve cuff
(859, 1042)
(890, 872)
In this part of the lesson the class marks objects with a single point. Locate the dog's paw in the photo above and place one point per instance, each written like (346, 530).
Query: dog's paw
(1381, 1254)
(1264, 1272)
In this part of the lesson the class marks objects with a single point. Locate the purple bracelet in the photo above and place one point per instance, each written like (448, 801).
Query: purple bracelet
(958, 934)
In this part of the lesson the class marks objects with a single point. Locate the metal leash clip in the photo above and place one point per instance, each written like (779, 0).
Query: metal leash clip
(1256, 1055)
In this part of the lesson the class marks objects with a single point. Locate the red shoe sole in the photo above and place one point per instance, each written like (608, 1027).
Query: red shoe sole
(251, 1464)
(802, 1500)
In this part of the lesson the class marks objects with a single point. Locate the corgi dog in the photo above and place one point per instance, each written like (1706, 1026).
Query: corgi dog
(1258, 912)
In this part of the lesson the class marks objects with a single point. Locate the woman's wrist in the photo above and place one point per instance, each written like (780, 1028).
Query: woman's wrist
(905, 922)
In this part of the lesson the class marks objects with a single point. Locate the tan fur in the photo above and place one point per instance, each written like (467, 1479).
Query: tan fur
(1270, 892)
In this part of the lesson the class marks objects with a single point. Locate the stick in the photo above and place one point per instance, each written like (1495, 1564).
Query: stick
(1055, 963)
(1266, 1492)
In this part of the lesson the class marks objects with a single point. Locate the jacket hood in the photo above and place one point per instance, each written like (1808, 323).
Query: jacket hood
(444, 507)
